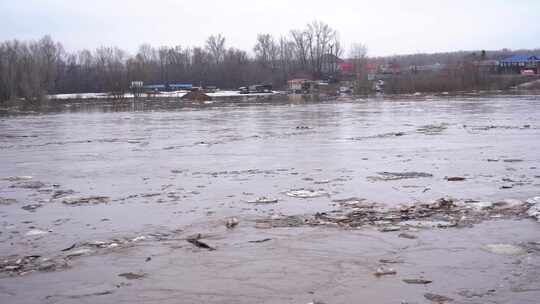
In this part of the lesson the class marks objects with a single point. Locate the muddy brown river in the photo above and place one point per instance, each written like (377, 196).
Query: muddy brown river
(402, 200)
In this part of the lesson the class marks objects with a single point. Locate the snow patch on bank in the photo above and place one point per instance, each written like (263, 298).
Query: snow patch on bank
(174, 94)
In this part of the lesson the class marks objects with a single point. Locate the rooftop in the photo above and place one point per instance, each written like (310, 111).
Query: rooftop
(521, 58)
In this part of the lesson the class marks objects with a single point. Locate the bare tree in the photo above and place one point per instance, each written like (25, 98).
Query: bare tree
(286, 58)
(9, 62)
(201, 65)
(163, 57)
(86, 63)
(319, 36)
(300, 41)
(215, 45)
(358, 55)
(111, 63)
(266, 50)
(50, 54)
(314, 44)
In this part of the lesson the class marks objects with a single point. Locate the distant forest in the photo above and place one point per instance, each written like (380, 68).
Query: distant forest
(32, 69)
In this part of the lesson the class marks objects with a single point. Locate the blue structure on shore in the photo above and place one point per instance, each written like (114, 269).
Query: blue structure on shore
(168, 87)
(180, 86)
(520, 63)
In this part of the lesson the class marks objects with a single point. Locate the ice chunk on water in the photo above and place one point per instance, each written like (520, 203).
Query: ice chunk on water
(534, 210)
(505, 249)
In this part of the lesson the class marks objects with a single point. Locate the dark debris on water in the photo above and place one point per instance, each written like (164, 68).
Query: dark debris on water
(195, 240)
(442, 213)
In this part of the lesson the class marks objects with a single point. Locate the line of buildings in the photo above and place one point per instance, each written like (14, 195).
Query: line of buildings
(518, 65)
(346, 70)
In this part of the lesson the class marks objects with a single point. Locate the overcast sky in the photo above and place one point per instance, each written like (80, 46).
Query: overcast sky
(386, 26)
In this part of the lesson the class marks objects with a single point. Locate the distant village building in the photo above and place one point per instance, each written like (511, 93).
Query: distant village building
(520, 64)
(346, 68)
(382, 71)
(136, 88)
(180, 86)
(390, 68)
(154, 88)
(295, 85)
(487, 66)
(436, 67)
(372, 70)
(302, 86)
(331, 64)
(167, 87)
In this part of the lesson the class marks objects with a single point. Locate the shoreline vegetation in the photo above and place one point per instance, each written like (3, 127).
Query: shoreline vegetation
(33, 70)
(279, 98)
(233, 97)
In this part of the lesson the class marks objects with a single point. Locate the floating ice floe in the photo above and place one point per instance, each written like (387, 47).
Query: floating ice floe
(139, 238)
(79, 252)
(232, 222)
(505, 249)
(480, 205)
(508, 204)
(263, 200)
(17, 178)
(391, 176)
(534, 210)
(500, 205)
(36, 232)
(306, 193)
